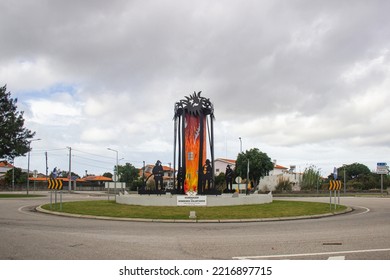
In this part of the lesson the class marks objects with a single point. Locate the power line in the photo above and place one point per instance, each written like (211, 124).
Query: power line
(91, 159)
(91, 165)
(91, 153)
(48, 150)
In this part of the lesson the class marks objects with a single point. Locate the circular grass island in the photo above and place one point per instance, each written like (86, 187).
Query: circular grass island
(276, 210)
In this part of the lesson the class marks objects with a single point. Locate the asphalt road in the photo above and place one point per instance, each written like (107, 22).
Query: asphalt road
(27, 235)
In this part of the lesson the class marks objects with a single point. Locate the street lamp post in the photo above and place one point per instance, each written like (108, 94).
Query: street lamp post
(119, 178)
(143, 173)
(345, 179)
(115, 170)
(247, 178)
(28, 163)
(240, 171)
(13, 174)
(70, 169)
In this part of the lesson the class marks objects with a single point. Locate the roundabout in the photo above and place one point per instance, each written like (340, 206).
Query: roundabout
(28, 234)
(277, 210)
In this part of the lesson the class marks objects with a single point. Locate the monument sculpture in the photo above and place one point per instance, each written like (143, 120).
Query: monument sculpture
(158, 173)
(193, 162)
(229, 178)
(193, 126)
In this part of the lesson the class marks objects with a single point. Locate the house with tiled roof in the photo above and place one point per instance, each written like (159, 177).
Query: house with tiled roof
(278, 174)
(269, 182)
(278, 169)
(93, 178)
(168, 172)
(220, 165)
(4, 167)
(90, 182)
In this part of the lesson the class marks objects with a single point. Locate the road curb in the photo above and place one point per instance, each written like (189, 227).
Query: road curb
(41, 210)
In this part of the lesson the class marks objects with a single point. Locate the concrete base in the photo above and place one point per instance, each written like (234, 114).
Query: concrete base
(212, 200)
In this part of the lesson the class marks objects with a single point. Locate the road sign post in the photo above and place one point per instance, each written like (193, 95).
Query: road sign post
(381, 183)
(382, 168)
(55, 184)
(335, 186)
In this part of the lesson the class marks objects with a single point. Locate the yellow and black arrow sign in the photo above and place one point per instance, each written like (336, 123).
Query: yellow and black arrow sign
(334, 185)
(54, 184)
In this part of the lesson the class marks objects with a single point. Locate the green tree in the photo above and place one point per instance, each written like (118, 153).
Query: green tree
(220, 181)
(19, 176)
(137, 184)
(74, 175)
(311, 178)
(259, 165)
(353, 170)
(284, 185)
(357, 176)
(128, 174)
(14, 137)
(368, 182)
(108, 175)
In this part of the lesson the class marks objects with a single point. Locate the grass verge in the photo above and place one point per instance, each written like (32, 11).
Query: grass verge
(11, 195)
(276, 209)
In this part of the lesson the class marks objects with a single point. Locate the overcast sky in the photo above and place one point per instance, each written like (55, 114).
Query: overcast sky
(306, 82)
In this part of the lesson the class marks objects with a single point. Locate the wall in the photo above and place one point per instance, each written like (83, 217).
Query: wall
(270, 182)
(212, 200)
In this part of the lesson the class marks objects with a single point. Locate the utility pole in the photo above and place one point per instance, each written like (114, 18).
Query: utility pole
(28, 163)
(143, 175)
(345, 179)
(13, 174)
(115, 170)
(239, 138)
(47, 168)
(170, 174)
(28, 167)
(247, 177)
(70, 169)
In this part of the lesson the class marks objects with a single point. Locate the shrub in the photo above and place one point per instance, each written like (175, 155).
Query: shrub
(284, 185)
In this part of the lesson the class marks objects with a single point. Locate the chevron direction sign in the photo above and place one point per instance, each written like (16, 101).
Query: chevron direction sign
(334, 185)
(54, 184)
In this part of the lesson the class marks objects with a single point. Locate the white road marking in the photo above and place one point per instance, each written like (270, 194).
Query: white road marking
(24, 211)
(20, 209)
(336, 258)
(367, 210)
(310, 254)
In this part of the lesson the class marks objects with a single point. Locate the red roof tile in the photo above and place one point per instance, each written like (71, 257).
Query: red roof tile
(5, 164)
(97, 178)
(231, 161)
(279, 167)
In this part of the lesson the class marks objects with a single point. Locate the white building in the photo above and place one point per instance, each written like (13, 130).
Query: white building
(267, 183)
(278, 174)
(220, 165)
(4, 168)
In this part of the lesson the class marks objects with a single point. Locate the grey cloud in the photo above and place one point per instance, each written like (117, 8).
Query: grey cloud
(275, 70)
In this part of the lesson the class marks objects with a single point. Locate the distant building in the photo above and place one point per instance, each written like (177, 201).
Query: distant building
(4, 167)
(168, 172)
(278, 170)
(278, 174)
(220, 165)
(267, 182)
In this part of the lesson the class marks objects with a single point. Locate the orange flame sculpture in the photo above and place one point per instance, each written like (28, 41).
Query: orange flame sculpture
(192, 143)
(191, 126)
